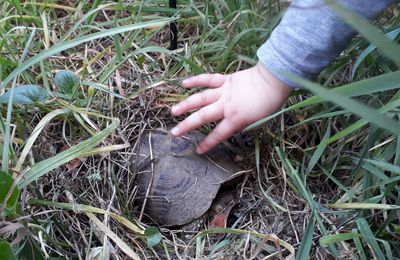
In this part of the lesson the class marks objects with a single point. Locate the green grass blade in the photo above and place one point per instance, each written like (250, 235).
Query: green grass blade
(391, 35)
(356, 107)
(7, 132)
(43, 167)
(7, 138)
(320, 149)
(337, 238)
(306, 242)
(395, 169)
(369, 237)
(73, 43)
(358, 244)
(360, 123)
(79, 208)
(376, 84)
(38, 129)
(84, 18)
(274, 204)
(362, 205)
(369, 31)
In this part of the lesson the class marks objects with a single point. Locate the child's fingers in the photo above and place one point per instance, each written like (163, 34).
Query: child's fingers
(207, 114)
(205, 80)
(221, 132)
(196, 101)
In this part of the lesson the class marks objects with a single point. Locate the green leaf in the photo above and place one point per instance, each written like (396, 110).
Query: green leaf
(331, 239)
(394, 169)
(376, 84)
(306, 242)
(6, 182)
(369, 237)
(391, 35)
(371, 115)
(362, 205)
(35, 133)
(101, 88)
(220, 245)
(6, 252)
(7, 63)
(66, 81)
(320, 149)
(30, 250)
(153, 236)
(25, 95)
(360, 123)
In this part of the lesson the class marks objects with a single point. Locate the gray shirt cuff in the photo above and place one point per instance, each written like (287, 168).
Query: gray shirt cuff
(310, 35)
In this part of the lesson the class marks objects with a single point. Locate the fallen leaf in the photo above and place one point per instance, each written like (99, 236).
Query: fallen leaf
(218, 221)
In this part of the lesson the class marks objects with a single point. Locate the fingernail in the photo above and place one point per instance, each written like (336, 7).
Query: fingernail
(185, 81)
(174, 109)
(199, 150)
(175, 131)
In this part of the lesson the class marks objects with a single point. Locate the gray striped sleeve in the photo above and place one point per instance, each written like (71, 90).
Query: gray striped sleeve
(310, 35)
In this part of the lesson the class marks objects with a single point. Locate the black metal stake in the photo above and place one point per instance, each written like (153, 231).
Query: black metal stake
(174, 31)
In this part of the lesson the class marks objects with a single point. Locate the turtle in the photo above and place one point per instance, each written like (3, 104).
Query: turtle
(177, 184)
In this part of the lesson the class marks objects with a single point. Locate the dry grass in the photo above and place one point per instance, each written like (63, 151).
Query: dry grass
(149, 83)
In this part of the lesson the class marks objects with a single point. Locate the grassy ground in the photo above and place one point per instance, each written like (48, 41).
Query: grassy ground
(323, 179)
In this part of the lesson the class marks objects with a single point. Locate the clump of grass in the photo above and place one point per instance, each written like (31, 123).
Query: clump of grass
(87, 79)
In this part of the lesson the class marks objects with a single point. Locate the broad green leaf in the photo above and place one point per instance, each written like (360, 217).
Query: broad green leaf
(6, 182)
(66, 81)
(45, 166)
(6, 252)
(153, 236)
(25, 95)
(75, 42)
(331, 239)
(369, 31)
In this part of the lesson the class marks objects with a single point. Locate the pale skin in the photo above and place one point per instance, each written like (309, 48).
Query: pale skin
(235, 100)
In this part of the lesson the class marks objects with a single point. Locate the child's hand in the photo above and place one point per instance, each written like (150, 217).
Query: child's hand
(237, 99)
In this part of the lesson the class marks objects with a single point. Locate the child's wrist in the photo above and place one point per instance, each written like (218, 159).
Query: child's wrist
(272, 81)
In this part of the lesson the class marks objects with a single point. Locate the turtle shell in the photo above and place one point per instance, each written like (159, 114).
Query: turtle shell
(180, 184)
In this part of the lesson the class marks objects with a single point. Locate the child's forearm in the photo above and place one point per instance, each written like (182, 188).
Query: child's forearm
(311, 35)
